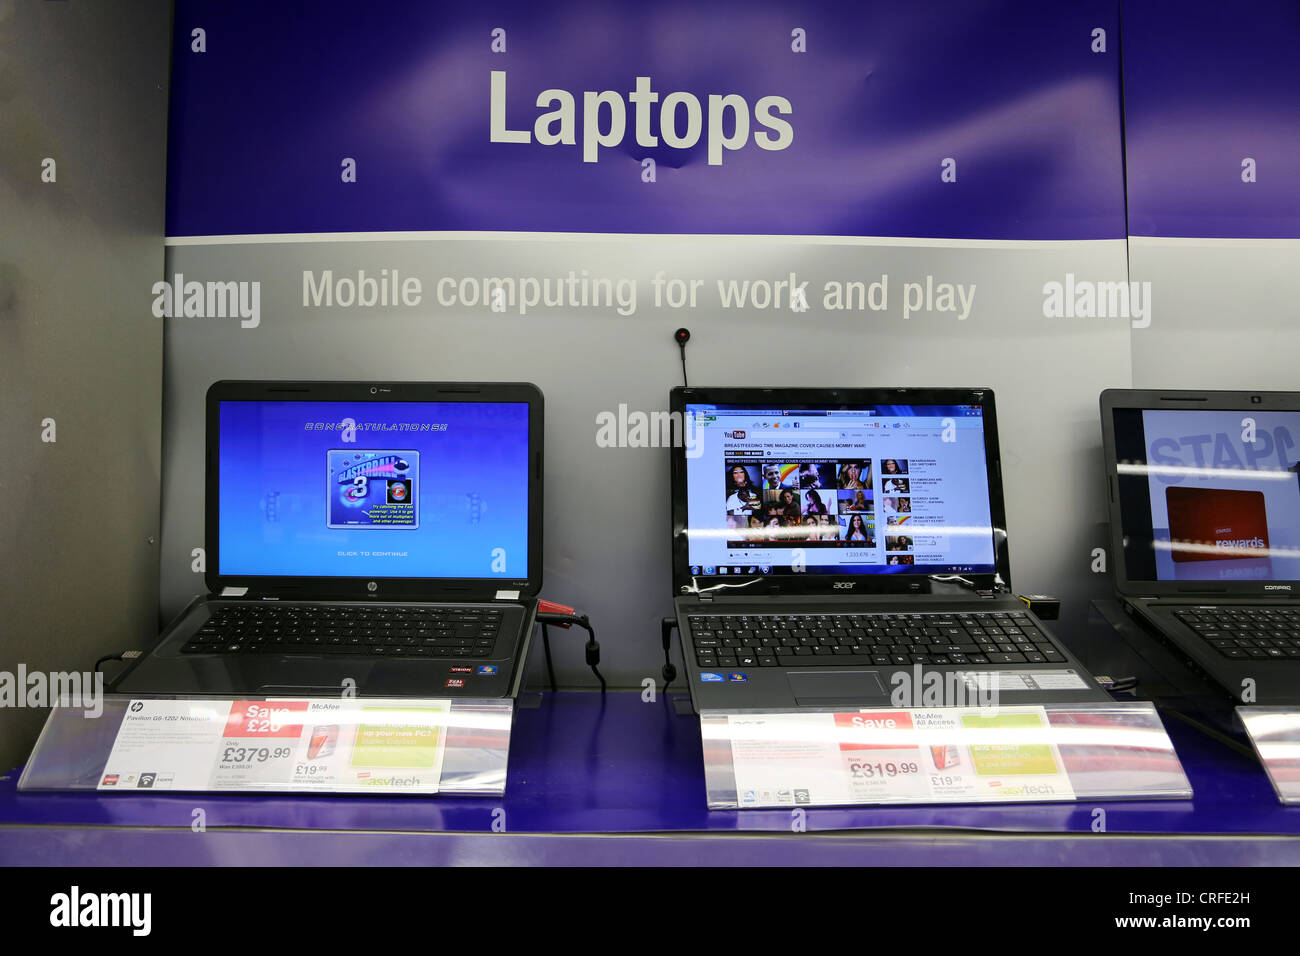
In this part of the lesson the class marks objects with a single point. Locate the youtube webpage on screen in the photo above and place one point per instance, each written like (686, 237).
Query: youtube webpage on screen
(1224, 493)
(878, 490)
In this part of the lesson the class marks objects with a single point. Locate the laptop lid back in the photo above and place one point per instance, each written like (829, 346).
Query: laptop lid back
(1204, 492)
(835, 491)
(360, 490)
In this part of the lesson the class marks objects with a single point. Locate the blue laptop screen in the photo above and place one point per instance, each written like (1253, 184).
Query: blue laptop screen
(373, 489)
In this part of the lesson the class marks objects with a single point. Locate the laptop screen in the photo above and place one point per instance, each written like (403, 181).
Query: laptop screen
(373, 489)
(865, 489)
(1209, 495)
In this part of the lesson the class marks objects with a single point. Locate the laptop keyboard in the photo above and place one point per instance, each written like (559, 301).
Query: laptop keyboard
(1257, 633)
(816, 640)
(403, 631)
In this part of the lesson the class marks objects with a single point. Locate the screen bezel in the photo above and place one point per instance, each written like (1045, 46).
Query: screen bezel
(833, 398)
(374, 587)
(1123, 399)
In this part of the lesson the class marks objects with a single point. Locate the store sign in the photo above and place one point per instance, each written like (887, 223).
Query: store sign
(767, 118)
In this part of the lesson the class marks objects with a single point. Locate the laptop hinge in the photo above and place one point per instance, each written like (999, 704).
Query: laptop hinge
(704, 597)
(506, 596)
(233, 592)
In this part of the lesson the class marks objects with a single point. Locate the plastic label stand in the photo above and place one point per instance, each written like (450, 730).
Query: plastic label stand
(1058, 752)
(1275, 734)
(253, 744)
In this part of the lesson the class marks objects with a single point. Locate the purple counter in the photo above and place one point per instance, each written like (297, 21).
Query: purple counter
(621, 781)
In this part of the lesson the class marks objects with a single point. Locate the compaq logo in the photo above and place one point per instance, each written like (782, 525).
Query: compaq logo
(1277, 587)
(844, 585)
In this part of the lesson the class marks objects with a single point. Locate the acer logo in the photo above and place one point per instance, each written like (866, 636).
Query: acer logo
(1277, 587)
(844, 585)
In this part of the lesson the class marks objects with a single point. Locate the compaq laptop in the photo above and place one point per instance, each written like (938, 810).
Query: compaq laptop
(827, 543)
(384, 534)
(1204, 493)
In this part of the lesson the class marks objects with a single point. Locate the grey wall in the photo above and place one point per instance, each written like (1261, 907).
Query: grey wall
(607, 520)
(1225, 313)
(84, 84)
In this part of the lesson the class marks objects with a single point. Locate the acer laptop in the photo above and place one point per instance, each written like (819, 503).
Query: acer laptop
(1204, 492)
(838, 547)
(383, 538)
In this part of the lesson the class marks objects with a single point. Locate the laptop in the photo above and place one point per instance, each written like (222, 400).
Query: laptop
(1204, 492)
(837, 547)
(379, 537)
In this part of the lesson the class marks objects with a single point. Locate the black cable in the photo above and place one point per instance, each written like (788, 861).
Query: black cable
(669, 672)
(592, 650)
(105, 659)
(124, 656)
(592, 647)
(1210, 732)
(681, 337)
(546, 646)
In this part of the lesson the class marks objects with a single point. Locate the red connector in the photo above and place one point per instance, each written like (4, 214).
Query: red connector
(551, 607)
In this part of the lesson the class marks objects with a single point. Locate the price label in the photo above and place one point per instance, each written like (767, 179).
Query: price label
(879, 757)
(321, 745)
(895, 756)
(246, 762)
(259, 718)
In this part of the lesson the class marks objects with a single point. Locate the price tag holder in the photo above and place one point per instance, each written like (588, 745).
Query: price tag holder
(351, 745)
(937, 755)
(1275, 734)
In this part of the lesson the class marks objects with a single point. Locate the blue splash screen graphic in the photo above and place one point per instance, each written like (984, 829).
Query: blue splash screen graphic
(373, 489)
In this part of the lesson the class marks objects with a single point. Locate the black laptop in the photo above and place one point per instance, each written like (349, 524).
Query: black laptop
(376, 539)
(1204, 492)
(847, 547)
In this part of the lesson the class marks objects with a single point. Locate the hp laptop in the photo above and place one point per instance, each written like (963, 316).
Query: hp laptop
(1204, 492)
(830, 546)
(385, 537)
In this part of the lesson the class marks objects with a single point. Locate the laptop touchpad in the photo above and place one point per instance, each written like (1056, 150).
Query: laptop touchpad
(851, 688)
